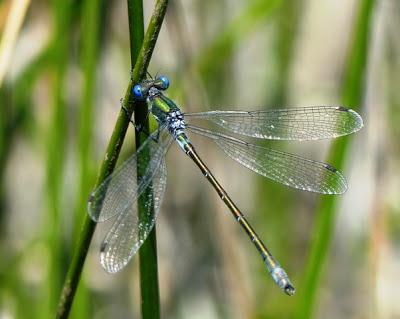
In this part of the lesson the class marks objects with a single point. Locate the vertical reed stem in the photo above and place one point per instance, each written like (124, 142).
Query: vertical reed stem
(110, 159)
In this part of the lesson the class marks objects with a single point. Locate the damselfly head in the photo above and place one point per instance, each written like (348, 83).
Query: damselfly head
(141, 91)
(161, 83)
(137, 92)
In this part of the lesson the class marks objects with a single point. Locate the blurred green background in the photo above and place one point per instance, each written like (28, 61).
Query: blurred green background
(67, 67)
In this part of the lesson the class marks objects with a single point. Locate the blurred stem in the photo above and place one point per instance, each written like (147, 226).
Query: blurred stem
(212, 59)
(92, 10)
(150, 296)
(286, 28)
(57, 135)
(9, 37)
(16, 118)
(288, 18)
(90, 43)
(136, 27)
(352, 96)
(110, 159)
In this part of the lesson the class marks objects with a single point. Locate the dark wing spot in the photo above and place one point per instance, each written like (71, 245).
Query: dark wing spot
(331, 168)
(103, 246)
(343, 109)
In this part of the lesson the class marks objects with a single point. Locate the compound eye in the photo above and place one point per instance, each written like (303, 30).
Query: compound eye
(137, 92)
(164, 82)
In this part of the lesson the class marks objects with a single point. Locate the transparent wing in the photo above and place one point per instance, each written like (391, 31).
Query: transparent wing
(308, 123)
(129, 232)
(122, 188)
(285, 168)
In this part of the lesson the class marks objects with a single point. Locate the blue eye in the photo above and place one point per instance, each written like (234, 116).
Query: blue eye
(137, 92)
(165, 82)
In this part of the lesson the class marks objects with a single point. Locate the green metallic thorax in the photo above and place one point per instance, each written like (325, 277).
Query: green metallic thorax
(160, 106)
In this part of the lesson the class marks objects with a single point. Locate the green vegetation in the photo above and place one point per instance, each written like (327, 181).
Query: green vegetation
(352, 96)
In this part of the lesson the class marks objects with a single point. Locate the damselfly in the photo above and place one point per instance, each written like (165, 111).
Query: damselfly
(119, 193)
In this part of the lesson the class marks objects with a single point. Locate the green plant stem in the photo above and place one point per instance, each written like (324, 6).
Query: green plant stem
(136, 27)
(110, 159)
(150, 296)
(92, 11)
(56, 150)
(352, 95)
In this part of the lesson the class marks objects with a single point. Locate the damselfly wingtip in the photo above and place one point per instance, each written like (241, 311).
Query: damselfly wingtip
(91, 208)
(353, 121)
(108, 260)
(359, 122)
